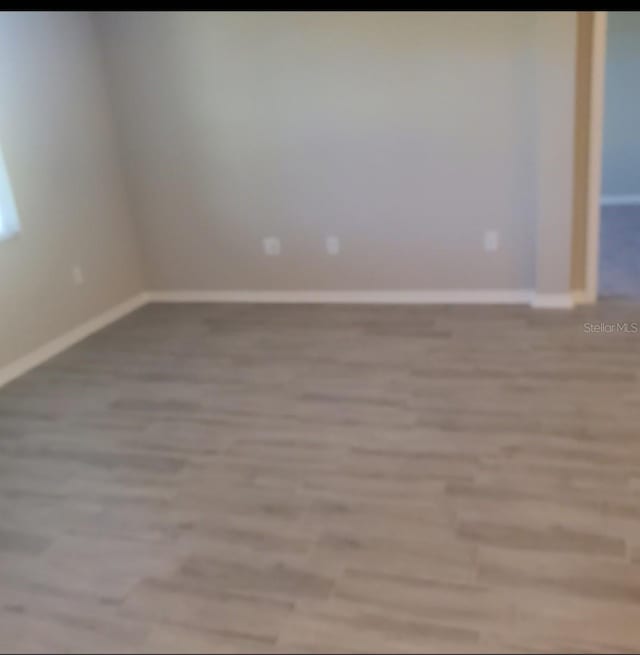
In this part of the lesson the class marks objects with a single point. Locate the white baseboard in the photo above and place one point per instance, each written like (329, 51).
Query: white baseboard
(49, 350)
(553, 301)
(437, 297)
(442, 297)
(615, 201)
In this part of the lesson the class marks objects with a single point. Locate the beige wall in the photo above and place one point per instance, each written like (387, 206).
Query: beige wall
(621, 137)
(56, 134)
(405, 135)
(556, 34)
(581, 148)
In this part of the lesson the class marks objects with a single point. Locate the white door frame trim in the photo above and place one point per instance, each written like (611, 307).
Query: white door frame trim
(594, 180)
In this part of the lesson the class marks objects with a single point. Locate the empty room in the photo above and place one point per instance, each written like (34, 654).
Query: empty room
(303, 342)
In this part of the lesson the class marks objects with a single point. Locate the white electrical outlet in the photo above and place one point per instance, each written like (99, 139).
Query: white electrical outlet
(271, 246)
(333, 245)
(491, 241)
(77, 275)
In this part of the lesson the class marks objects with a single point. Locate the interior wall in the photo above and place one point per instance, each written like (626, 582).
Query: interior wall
(407, 135)
(555, 109)
(57, 137)
(621, 137)
(581, 148)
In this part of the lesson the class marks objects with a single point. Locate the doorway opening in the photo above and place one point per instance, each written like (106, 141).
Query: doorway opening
(619, 257)
(613, 183)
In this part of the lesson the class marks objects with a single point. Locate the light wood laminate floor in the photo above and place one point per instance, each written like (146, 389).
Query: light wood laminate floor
(243, 478)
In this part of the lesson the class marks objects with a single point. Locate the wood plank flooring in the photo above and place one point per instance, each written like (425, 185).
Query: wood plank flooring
(242, 478)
